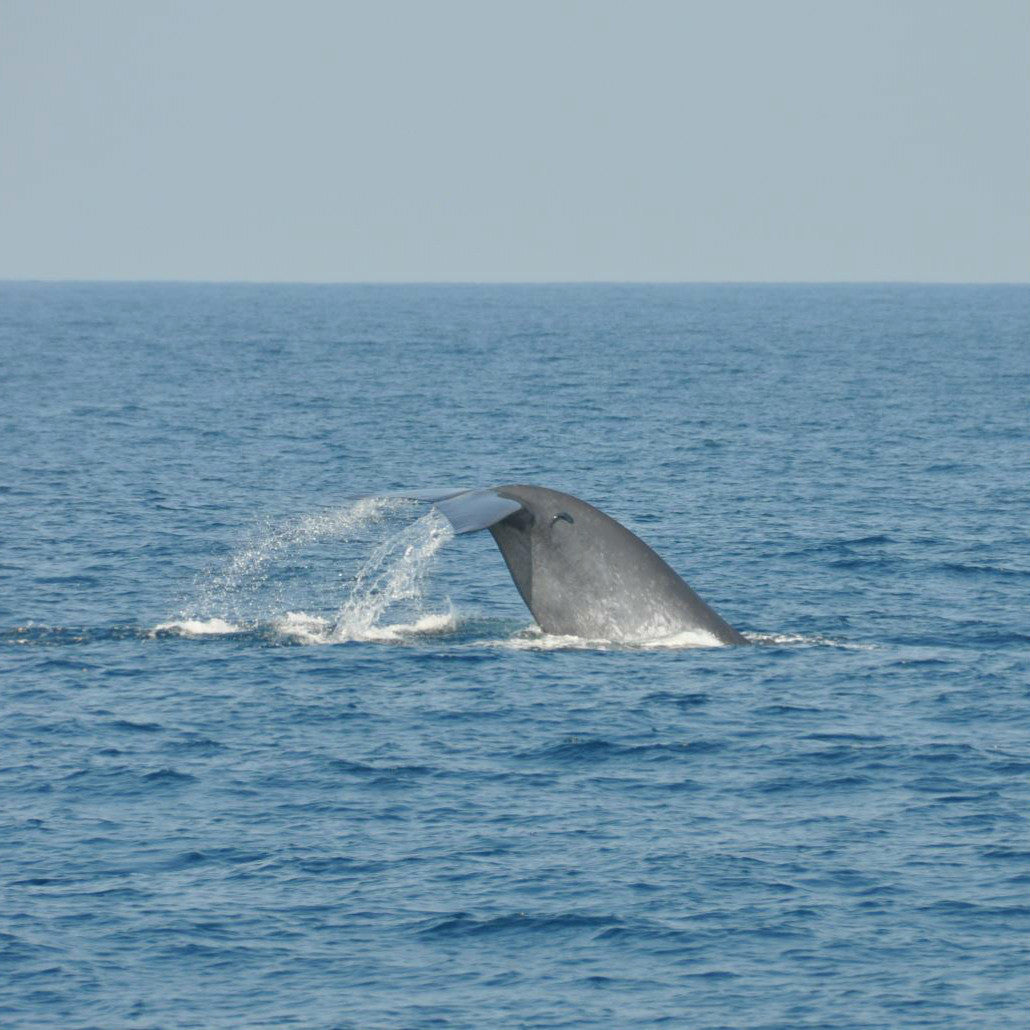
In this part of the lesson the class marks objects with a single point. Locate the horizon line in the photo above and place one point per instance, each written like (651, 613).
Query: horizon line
(169, 281)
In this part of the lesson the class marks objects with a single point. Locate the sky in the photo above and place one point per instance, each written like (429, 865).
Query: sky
(480, 141)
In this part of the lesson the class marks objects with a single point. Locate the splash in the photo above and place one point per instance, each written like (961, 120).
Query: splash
(262, 573)
(394, 574)
(287, 585)
(301, 628)
(195, 628)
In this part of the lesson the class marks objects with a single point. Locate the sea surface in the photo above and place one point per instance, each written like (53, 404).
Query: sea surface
(275, 754)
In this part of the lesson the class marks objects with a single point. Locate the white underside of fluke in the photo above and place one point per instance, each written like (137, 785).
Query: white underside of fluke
(467, 510)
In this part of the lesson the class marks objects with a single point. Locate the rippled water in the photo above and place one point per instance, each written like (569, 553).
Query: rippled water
(273, 756)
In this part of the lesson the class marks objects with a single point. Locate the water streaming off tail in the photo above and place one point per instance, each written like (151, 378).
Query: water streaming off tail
(393, 575)
(290, 553)
(298, 579)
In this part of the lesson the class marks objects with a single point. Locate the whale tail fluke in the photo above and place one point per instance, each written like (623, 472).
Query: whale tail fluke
(579, 571)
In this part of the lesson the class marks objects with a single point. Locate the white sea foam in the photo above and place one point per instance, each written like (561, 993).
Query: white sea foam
(195, 628)
(684, 639)
(433, 624)
(359, 621)
(301, 628)
(535, 639)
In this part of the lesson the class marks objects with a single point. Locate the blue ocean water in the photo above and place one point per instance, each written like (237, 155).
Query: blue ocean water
(271, 758)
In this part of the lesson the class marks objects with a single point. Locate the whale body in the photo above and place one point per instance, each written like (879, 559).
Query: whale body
(579, 571)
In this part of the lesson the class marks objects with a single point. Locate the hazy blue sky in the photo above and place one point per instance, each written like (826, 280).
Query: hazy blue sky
(773, 140)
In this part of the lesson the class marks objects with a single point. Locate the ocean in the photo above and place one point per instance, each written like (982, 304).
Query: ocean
(279, 751)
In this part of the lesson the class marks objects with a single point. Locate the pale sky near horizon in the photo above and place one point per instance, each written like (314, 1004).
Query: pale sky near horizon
(570, 140)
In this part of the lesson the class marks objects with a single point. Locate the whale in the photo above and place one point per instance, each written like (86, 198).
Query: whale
(580, 572)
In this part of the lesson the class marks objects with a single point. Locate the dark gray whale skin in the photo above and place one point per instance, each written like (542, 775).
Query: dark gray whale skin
(579, 571)
(583, 574)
